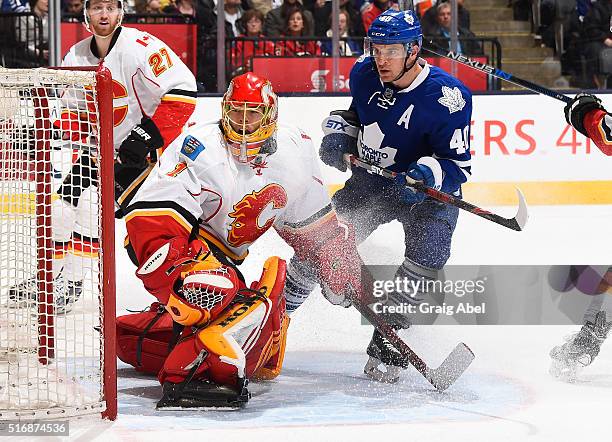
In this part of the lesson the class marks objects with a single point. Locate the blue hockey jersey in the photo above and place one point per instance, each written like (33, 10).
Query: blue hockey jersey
(430, 118)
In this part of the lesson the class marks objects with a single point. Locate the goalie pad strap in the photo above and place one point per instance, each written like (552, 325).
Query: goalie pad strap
(160, 312)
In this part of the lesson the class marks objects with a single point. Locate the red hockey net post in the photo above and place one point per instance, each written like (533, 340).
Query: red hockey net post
(57, 344)
(107, 160)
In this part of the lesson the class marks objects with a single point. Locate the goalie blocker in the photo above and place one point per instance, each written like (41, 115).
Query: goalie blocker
(204, 359)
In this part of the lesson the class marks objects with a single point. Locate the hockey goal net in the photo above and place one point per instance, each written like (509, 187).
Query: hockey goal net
(57, 354)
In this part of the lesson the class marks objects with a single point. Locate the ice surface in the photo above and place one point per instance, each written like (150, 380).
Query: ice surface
(322, 393)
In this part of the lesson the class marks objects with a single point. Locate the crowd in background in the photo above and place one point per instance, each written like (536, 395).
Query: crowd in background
(580, 31)
(258, 21)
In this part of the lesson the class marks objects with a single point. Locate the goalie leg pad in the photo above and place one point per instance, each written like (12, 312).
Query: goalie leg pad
(274, 365)
(245, 337)
(144, 339)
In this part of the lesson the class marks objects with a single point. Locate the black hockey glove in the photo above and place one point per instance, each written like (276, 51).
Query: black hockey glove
(142, 140)
(576, 110)
(340, 132)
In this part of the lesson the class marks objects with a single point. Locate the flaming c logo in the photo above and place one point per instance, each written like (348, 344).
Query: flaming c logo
(253, 215)
(119, 112)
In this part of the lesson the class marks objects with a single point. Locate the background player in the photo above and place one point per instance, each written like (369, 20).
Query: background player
(154, 96)
(214, 192)
(411, 118)
(586, 114)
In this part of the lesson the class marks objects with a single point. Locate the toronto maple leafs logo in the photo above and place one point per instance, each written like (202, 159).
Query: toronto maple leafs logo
(409, 18)
(370, 142)
(451, 99)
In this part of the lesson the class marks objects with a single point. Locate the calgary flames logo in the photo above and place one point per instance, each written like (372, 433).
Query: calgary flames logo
(253, 215)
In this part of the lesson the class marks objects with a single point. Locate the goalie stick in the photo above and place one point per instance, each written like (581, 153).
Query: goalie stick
(497, 73)
(516, 223)
(442, 377)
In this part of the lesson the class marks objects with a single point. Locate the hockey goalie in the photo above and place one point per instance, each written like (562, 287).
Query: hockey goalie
(216, 190)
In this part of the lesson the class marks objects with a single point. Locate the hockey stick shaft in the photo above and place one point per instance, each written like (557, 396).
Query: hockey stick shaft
(497, 73)
(517, 223)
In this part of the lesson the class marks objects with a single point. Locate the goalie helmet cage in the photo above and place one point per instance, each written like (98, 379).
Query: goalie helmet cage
(55, 364)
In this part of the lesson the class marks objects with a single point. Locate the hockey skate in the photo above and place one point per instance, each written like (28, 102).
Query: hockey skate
(384, 355)
(64, 294)
(203, 394)
(580, 349)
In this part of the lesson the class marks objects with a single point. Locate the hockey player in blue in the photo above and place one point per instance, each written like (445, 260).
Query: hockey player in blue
(411, 118)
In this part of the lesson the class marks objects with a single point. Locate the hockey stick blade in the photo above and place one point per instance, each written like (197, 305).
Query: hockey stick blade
(440, 378)
(451, 368)
(517, 223)
(522, 215)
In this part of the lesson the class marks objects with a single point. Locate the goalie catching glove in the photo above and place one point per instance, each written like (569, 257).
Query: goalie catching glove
(189, 280)
(142, 140)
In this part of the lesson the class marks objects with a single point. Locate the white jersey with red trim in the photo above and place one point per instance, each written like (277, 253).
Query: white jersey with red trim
(196, 181)
(145, 72)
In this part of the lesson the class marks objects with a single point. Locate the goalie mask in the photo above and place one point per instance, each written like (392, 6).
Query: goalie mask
(249, 114)
(105, 9)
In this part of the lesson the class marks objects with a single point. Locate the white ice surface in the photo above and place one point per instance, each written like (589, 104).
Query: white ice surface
(323, 395)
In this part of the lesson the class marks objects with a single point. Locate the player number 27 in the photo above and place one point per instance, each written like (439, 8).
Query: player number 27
(160, 61)
(460, 140)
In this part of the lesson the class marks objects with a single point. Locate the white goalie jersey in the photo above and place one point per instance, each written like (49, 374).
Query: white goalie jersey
(145, 74)
(197, 183)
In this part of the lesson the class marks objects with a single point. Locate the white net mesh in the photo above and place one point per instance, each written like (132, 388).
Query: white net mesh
(51, 348)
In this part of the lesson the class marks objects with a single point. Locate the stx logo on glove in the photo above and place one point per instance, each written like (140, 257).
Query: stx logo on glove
(336, 125)
(377, 170)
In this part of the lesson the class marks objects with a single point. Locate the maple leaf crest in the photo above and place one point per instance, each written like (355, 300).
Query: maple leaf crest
(451, 99)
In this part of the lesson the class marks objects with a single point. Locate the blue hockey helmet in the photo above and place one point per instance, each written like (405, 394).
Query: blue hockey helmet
(392, 27)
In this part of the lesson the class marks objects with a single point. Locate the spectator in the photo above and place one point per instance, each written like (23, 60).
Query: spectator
(181, 7)
(15, 6)
(265, 6)
(322, 15)
(583, 7)
(296, 26)
(440, 33)
(373, 10)
(148, 7)
(276, 19)
(430, 17)
(206, 13)
(598, 36)
(72, 11)
(245, 50)
(422, 6)
(73, 6)
(233, 13)
(346, 47)
(30, 33)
